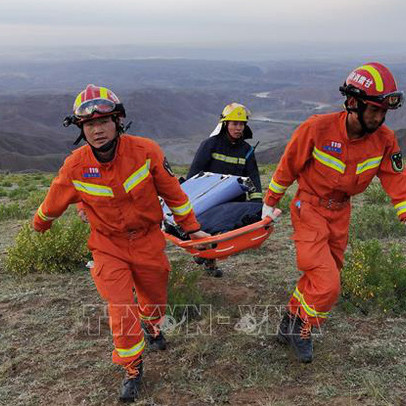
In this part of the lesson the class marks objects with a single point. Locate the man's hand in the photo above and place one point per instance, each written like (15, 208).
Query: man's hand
(198, 235)
(268, 211)
(41, 227)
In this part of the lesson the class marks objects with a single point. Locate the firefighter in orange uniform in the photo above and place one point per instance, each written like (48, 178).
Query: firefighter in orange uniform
(118, 178)
(333, 157)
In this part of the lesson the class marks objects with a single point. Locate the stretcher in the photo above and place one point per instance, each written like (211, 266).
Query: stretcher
(207, 191)
(221, 246)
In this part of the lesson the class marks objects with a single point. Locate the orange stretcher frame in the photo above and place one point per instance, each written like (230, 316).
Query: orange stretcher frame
(221, 246)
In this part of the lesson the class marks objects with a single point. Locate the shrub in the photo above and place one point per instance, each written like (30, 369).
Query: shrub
(18, 194)
(47, 179)
(374, 221)
(62, 249)
(180, 170)
(373, 278)
(284, 203)
(31, 187)
(13, 211)
(375, 194)
(6, 183)
(183, 288)
(35, 198)
(267, 169)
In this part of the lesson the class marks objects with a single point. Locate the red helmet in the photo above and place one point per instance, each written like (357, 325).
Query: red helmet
(373, 83)
(94, 102)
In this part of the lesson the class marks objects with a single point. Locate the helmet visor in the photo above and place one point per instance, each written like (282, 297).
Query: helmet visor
(390, 101)
(88, 108)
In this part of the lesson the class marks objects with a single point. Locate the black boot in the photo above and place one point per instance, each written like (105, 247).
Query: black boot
(132, 382)
(297, 333)
(156, 339)
(210, 266)
(157, 343)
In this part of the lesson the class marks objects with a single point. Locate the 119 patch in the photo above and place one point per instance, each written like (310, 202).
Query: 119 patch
(397, 162)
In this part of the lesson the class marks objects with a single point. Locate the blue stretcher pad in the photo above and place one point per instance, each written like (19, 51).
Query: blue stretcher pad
(206, 190)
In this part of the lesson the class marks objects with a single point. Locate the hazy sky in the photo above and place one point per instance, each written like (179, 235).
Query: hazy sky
(212, 23)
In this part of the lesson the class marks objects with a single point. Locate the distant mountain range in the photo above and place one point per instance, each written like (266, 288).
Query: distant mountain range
(176, 102)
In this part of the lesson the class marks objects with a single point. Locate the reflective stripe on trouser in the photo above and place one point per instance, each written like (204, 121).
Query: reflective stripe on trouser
(120, 266)
(320, 236)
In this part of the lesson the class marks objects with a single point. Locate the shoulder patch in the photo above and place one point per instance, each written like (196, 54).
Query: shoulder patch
(168, 167)
(397, 162)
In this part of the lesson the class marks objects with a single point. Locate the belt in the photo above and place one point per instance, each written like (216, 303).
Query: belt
(328, 203)
(127, 234)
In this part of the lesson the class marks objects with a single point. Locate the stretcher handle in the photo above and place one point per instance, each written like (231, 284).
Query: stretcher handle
(215, 239)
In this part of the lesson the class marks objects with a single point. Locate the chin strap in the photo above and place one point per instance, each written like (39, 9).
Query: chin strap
(359, 110)
(108, 147)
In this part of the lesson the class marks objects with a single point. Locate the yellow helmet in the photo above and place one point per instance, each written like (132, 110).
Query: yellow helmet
(235, 112)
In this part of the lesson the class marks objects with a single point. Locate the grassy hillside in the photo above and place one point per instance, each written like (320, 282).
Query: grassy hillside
(56, 343)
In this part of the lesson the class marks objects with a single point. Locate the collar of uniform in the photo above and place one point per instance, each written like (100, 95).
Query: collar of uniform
(239, 141)
(343, 129)
(343, 125)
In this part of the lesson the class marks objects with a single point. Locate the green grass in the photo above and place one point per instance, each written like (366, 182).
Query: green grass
(374, 194)
(13, 211)
(376, 221)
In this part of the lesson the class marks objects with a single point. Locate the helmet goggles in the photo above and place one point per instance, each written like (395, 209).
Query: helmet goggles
(389, 101)
(87, 109)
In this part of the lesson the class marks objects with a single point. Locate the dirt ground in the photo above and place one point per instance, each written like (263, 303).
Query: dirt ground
(56, 345)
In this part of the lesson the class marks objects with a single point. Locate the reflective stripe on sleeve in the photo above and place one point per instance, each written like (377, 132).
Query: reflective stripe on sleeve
(276, 187)
(255, 195)
(400, 208)
(42, 216)
(182, 210)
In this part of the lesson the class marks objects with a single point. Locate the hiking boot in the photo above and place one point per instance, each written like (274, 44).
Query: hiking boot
(210, 266)
(132, 382)
(297, 333)
(157, 343)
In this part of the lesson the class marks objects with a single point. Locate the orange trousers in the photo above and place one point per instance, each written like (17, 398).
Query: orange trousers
(321, 236)
(125, 264)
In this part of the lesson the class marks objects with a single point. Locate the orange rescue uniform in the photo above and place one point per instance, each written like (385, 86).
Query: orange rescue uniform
(329, 168)
(121, 202)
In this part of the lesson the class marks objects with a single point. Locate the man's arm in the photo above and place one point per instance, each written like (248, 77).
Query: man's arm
(393, 178)
(201, 160)
(169, 189)
(253, 173)
(297, 154)
(60, 195)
